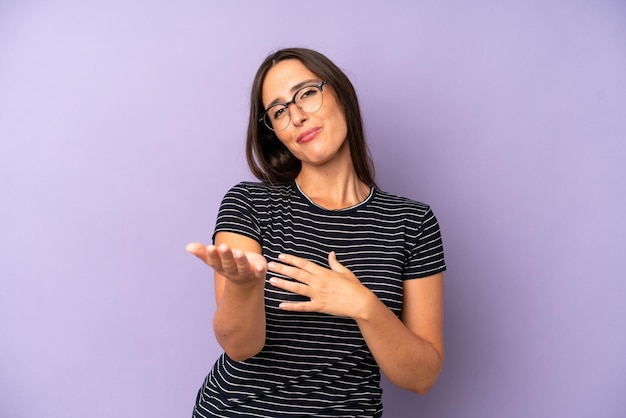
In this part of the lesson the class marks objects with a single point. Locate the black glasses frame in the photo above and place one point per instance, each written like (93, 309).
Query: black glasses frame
(290, 102)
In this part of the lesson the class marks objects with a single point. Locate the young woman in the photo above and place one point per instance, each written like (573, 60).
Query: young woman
(321, 279)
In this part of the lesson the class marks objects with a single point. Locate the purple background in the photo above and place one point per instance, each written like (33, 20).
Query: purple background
(122, 125)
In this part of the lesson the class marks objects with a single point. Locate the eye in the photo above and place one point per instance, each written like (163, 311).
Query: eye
(278, 112)
(307, 92)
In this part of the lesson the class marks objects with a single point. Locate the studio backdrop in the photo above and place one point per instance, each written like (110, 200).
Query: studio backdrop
(122, 125)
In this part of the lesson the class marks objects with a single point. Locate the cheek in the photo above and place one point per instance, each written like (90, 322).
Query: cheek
(337, 116)
(340, 126)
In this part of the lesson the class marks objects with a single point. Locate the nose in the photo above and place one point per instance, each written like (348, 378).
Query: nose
(298, 116)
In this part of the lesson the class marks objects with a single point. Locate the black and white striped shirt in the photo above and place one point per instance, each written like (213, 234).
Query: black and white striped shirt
(316, 364)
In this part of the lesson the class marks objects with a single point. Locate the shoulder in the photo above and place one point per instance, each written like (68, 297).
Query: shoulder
(258, 191)
(260, 187)
(400, 204)
(414, 215)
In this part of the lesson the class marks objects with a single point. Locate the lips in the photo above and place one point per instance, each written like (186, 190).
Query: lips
(308, 135)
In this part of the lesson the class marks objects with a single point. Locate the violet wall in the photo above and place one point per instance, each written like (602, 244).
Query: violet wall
(122, 125)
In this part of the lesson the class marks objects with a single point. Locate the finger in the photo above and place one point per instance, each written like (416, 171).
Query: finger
(224, 256)
(240, 260)
(213, 258)
(290, 271)
(260, 271)
(208, 254)
(293, 287)
(334, 264)
(197, 249)
(297, 306)
(204, 253)
(301, 263)
(243, 264)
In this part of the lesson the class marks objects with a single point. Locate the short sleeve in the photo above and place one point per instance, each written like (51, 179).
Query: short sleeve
(237, 214)
(426, 252)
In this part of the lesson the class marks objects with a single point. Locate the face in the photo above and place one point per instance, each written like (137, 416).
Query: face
(314, 138)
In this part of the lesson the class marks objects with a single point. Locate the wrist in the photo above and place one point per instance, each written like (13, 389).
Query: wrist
(367, 306)
(243, 287)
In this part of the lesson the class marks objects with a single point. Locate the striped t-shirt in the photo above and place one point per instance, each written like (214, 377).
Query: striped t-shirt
(316, 364)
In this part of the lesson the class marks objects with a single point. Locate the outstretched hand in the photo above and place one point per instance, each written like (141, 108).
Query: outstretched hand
(235, 265)
(335, 290)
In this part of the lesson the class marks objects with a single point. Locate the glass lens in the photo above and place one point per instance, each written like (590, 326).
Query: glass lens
(308, 99)
(277, 117)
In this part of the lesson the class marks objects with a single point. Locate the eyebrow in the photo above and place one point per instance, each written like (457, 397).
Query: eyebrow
(294, 89)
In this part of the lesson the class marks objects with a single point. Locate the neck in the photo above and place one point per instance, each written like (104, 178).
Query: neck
(333, 189)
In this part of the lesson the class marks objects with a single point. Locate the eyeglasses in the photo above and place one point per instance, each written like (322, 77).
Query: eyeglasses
(308, 99)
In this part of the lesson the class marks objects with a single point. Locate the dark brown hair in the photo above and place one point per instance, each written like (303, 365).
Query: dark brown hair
(269, 160)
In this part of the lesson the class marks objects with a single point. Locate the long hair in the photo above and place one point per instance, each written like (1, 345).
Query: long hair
(269, 160)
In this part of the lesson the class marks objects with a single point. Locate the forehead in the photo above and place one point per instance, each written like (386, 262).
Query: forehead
(281, 79)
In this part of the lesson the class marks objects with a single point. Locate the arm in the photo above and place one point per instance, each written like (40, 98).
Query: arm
(409, 350)
(239, 270)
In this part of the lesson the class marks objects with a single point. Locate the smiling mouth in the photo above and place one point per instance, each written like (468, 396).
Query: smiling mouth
(308, 135)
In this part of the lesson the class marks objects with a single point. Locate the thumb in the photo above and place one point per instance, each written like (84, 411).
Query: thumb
(333, 263)
(197, 249)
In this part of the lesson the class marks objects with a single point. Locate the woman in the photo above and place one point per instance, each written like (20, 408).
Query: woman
(321, 279)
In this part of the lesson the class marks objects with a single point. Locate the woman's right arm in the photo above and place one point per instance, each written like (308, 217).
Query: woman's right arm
(240, 270)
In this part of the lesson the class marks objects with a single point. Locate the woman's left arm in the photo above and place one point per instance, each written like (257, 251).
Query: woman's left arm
(409, 349)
